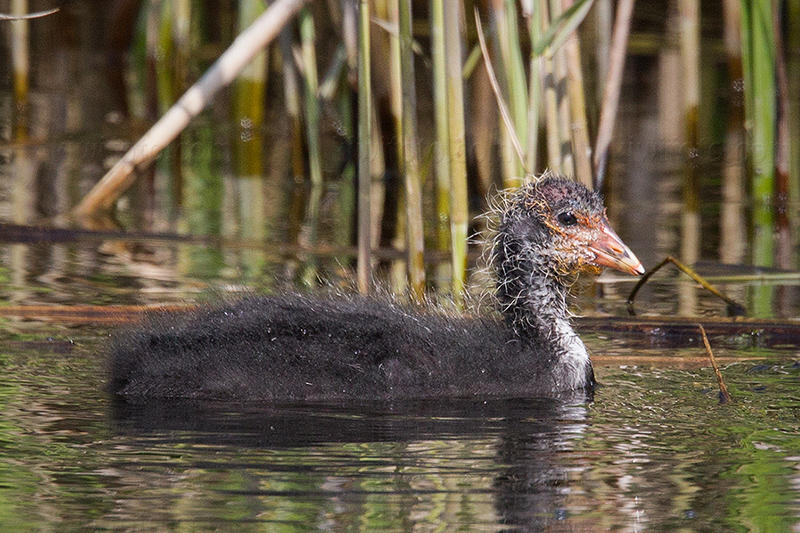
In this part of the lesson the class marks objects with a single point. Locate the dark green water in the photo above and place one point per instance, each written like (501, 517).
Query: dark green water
(653, 451)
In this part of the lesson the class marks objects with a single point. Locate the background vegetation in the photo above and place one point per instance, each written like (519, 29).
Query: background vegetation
(416, 132)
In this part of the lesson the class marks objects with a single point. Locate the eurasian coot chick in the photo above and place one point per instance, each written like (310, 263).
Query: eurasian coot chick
(295, 347)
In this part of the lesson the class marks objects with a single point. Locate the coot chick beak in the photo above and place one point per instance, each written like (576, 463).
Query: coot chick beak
(610, 251)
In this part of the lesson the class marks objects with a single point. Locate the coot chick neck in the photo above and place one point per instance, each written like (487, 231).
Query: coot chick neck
(548, 232)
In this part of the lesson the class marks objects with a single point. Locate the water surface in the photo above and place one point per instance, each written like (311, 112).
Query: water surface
(652, 450)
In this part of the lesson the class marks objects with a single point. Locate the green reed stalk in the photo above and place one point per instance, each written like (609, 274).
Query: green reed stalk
(459, 208)
(203, 213)
(248, 161)
(582, 149)
(248, 102)
(291, 92)
(364, 148)
(551, 104)
(440, 115)
(758, 59)
(562, 102)
(535, 67)
(512, 72)
(413, 180)
(312, 108)
(312, 114)
(515, 66)
(166, 91)
(181, 45)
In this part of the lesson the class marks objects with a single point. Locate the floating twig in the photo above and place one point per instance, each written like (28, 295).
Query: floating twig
(724, 396)
(734, 308)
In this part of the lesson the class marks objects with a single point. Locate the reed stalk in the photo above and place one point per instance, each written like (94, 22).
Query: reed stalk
(203, 213)
(291, 92)
(350, 37)
(247, 181)
(513, 73)
(410, 162)
(601, 41)
(181, 46)
(758, 58)
(535, 69)
(562, 102)
(163, 53)
(576, 91)
(162, 92)
(103, 195)
(248, 102)
(783, 240)
(20, 61)
(387, 12)
(441, 123)
(612, 88)
(312, 122)
(181, 36)
(551, 103)
(793, 76)
(312, 108)
(364, 148)
(689, 24)
(733, 232)
(152, 22)
(347, 187)
(508, 122)
(457, 150)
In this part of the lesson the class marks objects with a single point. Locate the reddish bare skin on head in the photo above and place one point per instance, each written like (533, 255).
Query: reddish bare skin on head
(582, 236)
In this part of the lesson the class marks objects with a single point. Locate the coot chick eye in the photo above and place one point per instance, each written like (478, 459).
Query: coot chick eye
(567, 219)
(293, 347)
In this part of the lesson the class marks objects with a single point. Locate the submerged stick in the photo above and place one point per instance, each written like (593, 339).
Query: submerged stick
(734, 307)
(724, 396)
(106, 192)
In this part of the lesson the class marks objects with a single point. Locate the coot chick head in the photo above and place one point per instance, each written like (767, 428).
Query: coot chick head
(549, 231)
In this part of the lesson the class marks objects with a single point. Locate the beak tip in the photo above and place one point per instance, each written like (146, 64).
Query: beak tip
(610, 251)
